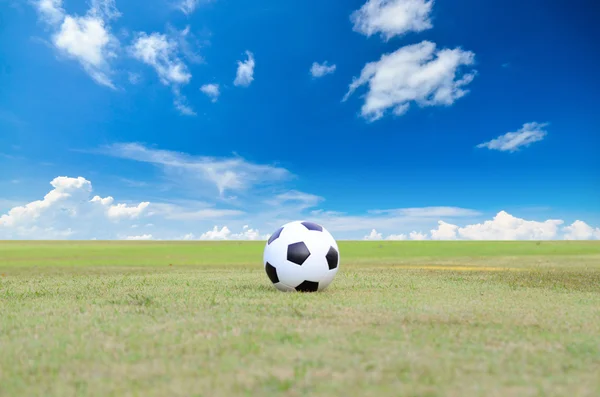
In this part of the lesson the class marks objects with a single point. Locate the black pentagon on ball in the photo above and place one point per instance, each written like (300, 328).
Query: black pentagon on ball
(312, 226)
(275, 235)
(308, 286)
(271, 273)
(298, 253)
(332, 258)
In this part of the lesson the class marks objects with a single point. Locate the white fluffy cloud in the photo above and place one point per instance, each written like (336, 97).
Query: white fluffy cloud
(396, 237)
(123, 211)
(70, 210)
(417, 236)
(67, 210)
(211, 90)
(415, 73)
(321, 69)
(502, 227)
(224, 233)
(161, 52)
(580, 230)
(64, 189)
(51, 11)
(245, 71)
(392, 17)
(445, 231)
(141, 237)
(374, 235)
(512, 141)
(87, 38)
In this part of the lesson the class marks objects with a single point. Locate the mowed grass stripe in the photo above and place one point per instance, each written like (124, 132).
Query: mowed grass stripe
(43, 253)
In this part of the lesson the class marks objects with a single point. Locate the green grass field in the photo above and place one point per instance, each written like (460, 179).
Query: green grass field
(202, 319)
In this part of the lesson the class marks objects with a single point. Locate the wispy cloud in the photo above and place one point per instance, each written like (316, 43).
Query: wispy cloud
(513, 141)
(297, 199)
(187, 42)
(134, 78)
(189, 6)
(390, 219)
(181, 103)
(226, 174)
(11, 156)
(11, 118)
(172, 212)
(428, 212)
(133, 183)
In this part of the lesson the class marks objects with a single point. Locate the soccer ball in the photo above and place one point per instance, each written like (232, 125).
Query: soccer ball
(301, 256)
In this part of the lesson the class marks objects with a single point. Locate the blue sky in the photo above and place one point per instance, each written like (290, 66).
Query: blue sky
(206, 119)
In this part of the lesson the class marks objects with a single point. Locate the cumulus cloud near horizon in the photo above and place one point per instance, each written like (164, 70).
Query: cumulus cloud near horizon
(503, 226)
(70, 210)
(224, 233)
